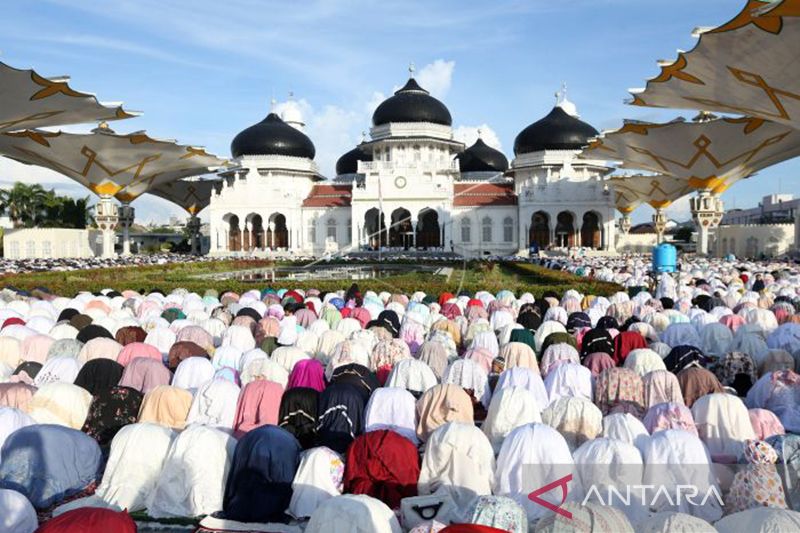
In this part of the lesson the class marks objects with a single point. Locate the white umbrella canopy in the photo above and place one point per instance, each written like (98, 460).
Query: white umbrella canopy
(109, 164)
(193, 195)
(747, 66)
(709, 154)
(28, 100)
(658, 191)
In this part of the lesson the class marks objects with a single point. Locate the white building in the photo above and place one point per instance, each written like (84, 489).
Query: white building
(412, 186)
(49, 243)
(775, 208)
(767, 230)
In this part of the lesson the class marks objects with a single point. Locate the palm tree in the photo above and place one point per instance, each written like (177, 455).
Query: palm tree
(32, 205)
(16, 202)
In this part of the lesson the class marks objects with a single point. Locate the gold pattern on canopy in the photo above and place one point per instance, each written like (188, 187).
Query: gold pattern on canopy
(747, 66)
(708, 155)
(28, 100)
(191, 195)
(109, 164)
(658, 191)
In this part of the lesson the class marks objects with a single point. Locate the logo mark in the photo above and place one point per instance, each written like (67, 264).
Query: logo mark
(562, 482)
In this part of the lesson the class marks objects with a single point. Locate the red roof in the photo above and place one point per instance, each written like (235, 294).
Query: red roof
(483, 194)
(329, 195)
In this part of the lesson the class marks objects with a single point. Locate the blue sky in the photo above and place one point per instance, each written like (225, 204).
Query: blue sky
(203, 70)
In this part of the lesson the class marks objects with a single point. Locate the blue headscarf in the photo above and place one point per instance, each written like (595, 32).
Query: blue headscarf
(341, 415)
(259, 486)
(49, 463)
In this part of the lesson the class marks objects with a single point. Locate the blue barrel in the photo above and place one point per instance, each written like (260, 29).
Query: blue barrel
(665, 258)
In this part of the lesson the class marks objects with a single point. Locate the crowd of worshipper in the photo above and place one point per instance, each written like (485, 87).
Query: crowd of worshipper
(297, 410)
(22, 266)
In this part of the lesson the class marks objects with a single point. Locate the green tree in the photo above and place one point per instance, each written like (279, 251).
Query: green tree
(32, 205)
(684, 234)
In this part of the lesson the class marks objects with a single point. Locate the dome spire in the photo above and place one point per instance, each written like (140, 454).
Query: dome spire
(562, 102)
(411, 70)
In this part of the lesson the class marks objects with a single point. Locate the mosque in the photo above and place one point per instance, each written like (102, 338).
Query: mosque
(411, 186)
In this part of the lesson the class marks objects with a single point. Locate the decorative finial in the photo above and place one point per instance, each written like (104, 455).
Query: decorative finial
(562, 102)
(272, 104)
(363, 136)
(479, 133)
(411, 70)
(103, 125)
(561, 94)
(291, 95)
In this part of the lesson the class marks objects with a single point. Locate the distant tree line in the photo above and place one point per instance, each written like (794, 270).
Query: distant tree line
(31, 206)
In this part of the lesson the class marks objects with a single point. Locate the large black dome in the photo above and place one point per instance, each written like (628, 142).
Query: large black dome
(480, 157)
(412, 103)
(557, 131)
(348, 163)
(272, 136)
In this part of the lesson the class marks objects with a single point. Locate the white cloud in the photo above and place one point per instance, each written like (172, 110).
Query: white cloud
(680, 210)
(437, 77)
(469, 134)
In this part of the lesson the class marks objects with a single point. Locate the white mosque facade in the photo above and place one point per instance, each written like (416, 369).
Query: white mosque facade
(411, 186)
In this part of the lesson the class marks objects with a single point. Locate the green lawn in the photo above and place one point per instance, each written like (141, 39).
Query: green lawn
(471, 276)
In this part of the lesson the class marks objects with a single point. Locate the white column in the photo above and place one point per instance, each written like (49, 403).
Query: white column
(271, 226)
(107, 217)
(126, 217)
(625, 224)
(707, 210)
(193, 225)
(660, 224)
(797, 230)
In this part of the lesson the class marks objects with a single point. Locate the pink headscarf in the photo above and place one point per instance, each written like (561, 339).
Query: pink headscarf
(35, 348)
(765, 423)
(482, 356)
(362, 315)
(136, 350)
(270, 326)
(16, 395)
(145, 374)
(669, 416)
(259, 404)
(307, 373)
(732, 322)
(305, 317)
(597, 362)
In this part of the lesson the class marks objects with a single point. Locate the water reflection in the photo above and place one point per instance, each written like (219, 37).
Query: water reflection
(320, 272)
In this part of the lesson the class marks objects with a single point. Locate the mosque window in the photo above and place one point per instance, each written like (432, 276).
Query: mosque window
(486, 224)
(30, 249)
(331, 229)
(417, 153)
(47, 249)
(349, 237)
(508, 229)
(15, 250)
(312, 231)
(466, 230)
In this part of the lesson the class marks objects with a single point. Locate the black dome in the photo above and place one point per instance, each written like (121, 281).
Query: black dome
(480, 157)
(412, 103)
(272, 136)
(348, 163)
(557, 131)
